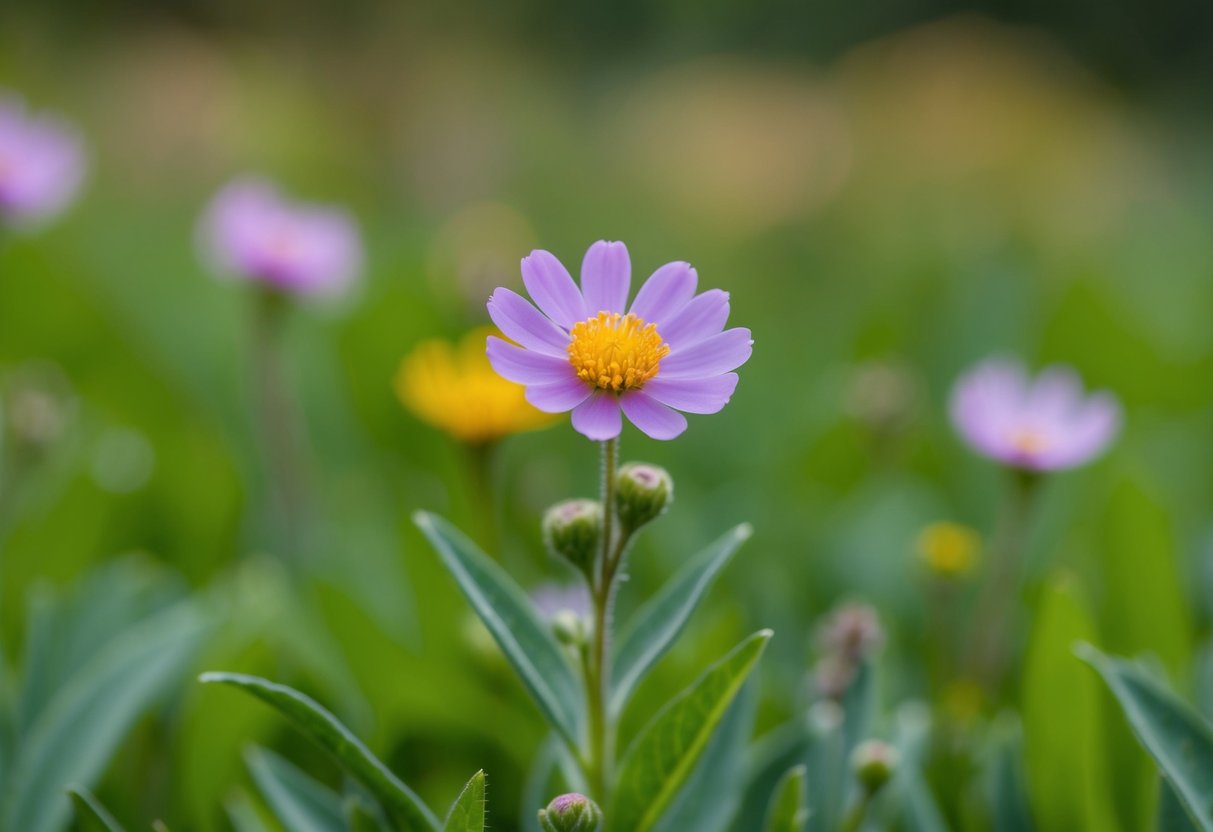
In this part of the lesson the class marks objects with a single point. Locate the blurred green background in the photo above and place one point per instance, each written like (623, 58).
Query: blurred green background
(889, 193)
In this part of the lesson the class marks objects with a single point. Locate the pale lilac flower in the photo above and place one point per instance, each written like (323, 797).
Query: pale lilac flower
(253, 232)
(552, 599)
(41, 164)
(1040, 424)
(586, 350)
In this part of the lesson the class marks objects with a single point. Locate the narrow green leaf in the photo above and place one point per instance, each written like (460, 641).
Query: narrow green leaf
(859, 707)
(468, 811)
(919, 810)
(663, 755)
(538, 779)
(243, 815)
(766, 761)
(361, 817)
(91, 816)
(789, 807)
(830, 779)
(75, 734)
(298, 801)
(315, 721)
(1010, 803)
(1063, 731)
(1171, 814)
(660, 621)
(711, 796)
(508, 614)
(1180, 741)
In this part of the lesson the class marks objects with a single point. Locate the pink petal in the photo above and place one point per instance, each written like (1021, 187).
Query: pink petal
(655, 419)
(705, 315)
(523, 323)
(698, 395)
(598, 417)
(606, 277)
(548, 282)
(524, 366)
(558, 396)
(710, 357)
(665, 293)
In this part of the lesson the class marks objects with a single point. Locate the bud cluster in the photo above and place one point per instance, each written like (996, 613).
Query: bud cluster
(850, 634)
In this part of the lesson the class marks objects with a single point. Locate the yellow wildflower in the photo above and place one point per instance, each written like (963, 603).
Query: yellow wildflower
(454, 388)
(948, 549)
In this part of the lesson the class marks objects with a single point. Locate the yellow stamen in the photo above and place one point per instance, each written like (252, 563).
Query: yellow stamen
(1028, 442)
(616, 352)
(455, 389)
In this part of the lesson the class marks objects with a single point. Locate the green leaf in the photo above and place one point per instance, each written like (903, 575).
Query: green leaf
(1180, 741)
(1010, 803)
(663, 755)
(766, 762)
(315, 721)
(535, 789)
(712, 794)
(1171, 815)
(660, 621)
(1062, 721)
(468, 811)
(789, 807)
(91, 816)
(508, 614)
(360, 816)
(243, 815)
(919, 811)
(73, 737)
(830, 779)
(297, 800)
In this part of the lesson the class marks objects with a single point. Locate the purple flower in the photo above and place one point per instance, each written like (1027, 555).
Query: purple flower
(252, 231)
(1040, 424)
(41, 164)
(587, 351)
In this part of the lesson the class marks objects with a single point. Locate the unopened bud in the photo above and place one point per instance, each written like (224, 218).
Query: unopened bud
(569, 628)
(874, 763)
(572, 530)
(571, 813)
(642, 493)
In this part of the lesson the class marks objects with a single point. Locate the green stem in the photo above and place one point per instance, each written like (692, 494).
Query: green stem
(853, 821)
(485, 510)
(601, 747)
(277, 425)
(989, 651)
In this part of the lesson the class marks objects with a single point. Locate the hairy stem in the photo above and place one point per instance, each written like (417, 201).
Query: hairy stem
(601, 749)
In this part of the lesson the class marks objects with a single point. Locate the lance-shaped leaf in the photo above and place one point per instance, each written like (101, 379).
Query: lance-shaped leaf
(663, 755)
(659, 622)
(314, 720)
(91, 816)
(1180, 741)
(297, 800)
(510, 616)
(467, 812)
(789, 807)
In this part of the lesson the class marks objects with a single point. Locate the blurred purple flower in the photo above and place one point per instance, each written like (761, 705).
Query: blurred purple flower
(252, 231)
(551, 599)
(1040, 424)
(41, 164)
(579, 351)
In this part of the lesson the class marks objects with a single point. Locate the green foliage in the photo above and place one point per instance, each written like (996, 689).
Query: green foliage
(81, 713)
(789, 810)
(468, 812)
(1179, 739)
(315, 721)
(663, 755)
(661, 620)
(298, 801)
(1062, 726)
(91, 816)
(510, 617)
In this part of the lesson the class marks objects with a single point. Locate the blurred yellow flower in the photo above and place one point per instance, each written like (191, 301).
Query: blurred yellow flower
(453, 388)
(948, 549)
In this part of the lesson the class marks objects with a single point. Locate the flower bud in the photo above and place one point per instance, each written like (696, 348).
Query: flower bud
(571, 813)
(572, 530)
(873, 763)
(570, 629)
(642, 493)
(948, 550)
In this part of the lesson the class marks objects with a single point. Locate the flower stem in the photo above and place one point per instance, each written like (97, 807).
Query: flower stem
(989, 652)
(601, 748)
(853, 820)
(277, 426)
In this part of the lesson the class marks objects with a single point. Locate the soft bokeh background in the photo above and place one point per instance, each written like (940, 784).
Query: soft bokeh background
(889, 193)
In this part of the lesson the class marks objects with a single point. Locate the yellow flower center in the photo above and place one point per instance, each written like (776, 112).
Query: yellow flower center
(949, 549)
(616, 352)
(1029, 442)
